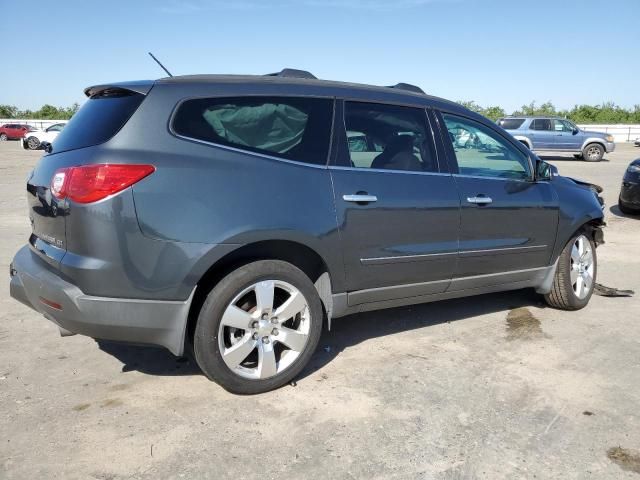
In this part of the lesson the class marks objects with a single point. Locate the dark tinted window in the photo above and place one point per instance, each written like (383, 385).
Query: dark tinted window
(293, 128)
(98, 120)
(541, 124)
(388, 137)
(511, 123)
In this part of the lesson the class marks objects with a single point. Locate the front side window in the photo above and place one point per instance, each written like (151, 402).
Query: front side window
(293, 128)
(388, 137)
(479, 151)
(563, 126)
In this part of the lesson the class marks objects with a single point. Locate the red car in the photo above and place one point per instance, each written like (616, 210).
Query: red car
(13, 131)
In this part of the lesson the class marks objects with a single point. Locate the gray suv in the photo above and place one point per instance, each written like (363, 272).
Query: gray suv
(542, 134)
(237, 215)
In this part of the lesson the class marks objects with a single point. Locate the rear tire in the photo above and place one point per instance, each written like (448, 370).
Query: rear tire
(575, 275)
(251, 341)
(3, 137)
(593, 152)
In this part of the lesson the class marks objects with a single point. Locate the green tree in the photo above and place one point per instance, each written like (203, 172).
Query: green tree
(494, 113)
(8, 111)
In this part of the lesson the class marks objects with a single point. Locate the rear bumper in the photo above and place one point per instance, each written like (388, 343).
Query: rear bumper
(156, 322)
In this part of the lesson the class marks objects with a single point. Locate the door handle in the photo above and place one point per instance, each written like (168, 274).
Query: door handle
(479, 200)
(360, 198)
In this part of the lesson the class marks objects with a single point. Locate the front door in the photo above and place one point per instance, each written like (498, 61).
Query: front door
(567, 135)
(508, 221)
(397, 211)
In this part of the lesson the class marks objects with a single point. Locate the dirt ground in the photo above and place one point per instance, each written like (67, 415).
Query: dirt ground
(495, 387)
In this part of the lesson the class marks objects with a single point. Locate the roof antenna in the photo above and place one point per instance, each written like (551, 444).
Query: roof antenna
(161, 65)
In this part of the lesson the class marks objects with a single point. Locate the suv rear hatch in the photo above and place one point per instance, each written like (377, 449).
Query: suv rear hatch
(105, 112)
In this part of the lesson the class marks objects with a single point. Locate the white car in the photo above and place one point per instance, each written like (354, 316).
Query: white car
(34, 140)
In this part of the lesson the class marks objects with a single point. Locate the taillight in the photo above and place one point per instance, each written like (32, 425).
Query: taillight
(90, 183)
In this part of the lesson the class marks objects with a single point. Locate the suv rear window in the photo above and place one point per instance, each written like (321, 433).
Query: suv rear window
(99, 119)
(511, 123)
(293, 128)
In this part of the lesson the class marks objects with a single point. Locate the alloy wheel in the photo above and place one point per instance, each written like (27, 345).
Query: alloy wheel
(264, 329)
(593, 153)
(581, 267)
(33, 143)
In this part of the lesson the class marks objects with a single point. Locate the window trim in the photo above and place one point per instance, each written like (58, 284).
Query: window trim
(451, 156)
(176, 107)
(340, 111)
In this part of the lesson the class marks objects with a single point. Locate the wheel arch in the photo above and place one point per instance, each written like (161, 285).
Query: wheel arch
(590, 140)
(590, 223)
(524, 140)
(302, 256)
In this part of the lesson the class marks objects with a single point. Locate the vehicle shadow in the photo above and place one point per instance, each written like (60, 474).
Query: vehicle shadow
(353, 329)
(615, 209)
(345, 332)
(149, 359)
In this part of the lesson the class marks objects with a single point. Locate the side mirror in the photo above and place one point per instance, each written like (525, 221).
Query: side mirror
(576, 131)
(545, 171)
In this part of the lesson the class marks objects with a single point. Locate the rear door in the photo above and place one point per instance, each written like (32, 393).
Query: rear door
(508, 221)
(542, 134)
(397, 210)
(14, 131)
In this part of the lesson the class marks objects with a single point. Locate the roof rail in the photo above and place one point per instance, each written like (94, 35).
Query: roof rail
(292, 73)
(408, 87)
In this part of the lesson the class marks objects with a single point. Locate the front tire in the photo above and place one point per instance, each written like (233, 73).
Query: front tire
(3, 137)
(593, 152)
(258, 327)
(33, 143)
(575, 275)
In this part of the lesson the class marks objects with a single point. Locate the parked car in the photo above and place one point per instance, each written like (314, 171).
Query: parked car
(240, 214)
(552, 134)
(629, 200)
(637, 142)
(13, 131)
(38, 138)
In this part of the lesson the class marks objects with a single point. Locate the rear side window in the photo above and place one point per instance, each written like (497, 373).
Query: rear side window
(99, 119)
(511, 123)
(388, 137)
(541, 124)
(293, 128)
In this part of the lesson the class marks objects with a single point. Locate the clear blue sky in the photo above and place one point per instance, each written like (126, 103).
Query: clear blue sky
(496, 52)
